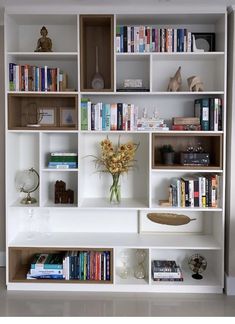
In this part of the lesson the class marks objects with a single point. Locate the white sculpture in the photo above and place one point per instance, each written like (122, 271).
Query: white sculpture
(195, 84)
(175, 81)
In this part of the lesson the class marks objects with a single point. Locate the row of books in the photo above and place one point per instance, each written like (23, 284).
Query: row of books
(63, 160)
(116, 116)
(166, 270)
(33, 78)
(139, 39)
(195, 191)
(72, 265)
(105, 116)
(209, 112)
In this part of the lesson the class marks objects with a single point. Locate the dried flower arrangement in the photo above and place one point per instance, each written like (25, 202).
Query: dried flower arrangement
(116, 160)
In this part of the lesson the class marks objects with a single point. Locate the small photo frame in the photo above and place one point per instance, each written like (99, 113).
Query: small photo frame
(47, 116)
(205, 41)
(67, 117)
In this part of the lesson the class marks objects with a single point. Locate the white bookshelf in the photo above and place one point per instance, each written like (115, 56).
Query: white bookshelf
(92, 222)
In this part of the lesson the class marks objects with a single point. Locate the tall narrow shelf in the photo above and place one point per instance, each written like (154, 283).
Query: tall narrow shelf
(96, 45)
(91, 223)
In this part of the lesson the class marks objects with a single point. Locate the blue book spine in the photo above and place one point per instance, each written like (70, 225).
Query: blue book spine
(107, 123)
(29, 276)
(11, 77)
(103, 117)
(121, 39)
(81, 265)
(88, 265)
(107, 265)
(75, 265)
(78, 266)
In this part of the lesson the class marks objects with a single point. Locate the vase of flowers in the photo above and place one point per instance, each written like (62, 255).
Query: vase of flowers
(116, 160)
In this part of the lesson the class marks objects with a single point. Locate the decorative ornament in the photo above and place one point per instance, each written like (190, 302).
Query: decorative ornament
(44, 43)
(169, 218)
(197, 263)
(140, 269)
(97, 81)
(175, 81)
(195, 84)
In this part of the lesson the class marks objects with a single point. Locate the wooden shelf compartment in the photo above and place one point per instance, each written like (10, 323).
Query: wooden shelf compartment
(211, 143)
(20, 258)
(97, 31)
(23, 109)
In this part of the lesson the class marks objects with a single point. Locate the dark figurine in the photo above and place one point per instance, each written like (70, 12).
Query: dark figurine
(44, 43)
(63, 196)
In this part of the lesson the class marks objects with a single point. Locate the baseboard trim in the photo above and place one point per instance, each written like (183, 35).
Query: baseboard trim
(229, 285)
(2, 259)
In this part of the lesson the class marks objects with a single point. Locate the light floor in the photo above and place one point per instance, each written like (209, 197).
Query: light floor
(111, 304)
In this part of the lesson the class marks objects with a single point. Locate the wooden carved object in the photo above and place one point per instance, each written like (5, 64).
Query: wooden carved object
(63, 196)
(175, 81)
(195, 84)
(169, 218)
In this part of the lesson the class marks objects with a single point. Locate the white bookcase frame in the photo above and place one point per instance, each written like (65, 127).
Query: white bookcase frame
(91, 222)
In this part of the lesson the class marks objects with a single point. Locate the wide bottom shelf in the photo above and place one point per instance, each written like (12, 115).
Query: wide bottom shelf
(95, 240)
(166, 288)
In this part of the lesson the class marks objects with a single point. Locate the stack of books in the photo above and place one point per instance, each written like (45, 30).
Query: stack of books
(46, 266)
(62, 160)
(166, 270)
(186, 123)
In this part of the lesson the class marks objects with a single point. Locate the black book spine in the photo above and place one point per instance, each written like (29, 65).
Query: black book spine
(187, 202)
(92, 116)
(119, 116)
(211, 114)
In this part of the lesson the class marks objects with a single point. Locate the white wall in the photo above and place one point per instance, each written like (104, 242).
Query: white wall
(2, 140)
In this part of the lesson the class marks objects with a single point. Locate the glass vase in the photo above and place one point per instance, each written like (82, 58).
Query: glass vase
(115, 190)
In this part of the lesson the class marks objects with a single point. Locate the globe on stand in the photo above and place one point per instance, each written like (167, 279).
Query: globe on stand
(27, 181)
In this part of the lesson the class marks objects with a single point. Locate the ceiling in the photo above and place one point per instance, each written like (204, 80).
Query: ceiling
(112, 3)
(130, 6)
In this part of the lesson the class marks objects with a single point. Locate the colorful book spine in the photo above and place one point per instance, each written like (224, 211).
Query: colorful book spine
(84, 114)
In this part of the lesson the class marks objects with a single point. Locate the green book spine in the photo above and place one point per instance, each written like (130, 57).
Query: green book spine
(84, 114)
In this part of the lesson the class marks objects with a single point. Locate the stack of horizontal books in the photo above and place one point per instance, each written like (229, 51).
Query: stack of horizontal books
(61, 160)
(166, 270)
(46, 266)
(186, 123)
